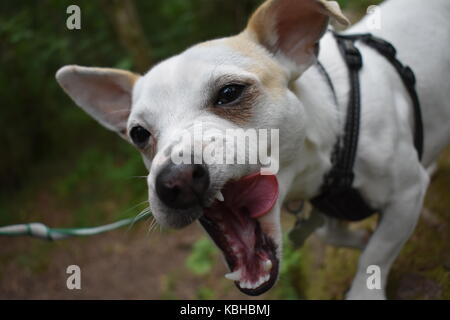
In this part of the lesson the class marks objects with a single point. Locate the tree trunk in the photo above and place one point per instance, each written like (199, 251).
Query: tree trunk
(125, 19)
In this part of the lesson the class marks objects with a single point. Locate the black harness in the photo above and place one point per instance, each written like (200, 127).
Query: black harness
(338, 198)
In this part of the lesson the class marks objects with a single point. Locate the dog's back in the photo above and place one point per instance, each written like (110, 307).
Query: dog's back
(420, 31)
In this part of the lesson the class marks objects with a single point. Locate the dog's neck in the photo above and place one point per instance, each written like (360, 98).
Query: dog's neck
(322, 114)
(323, 125)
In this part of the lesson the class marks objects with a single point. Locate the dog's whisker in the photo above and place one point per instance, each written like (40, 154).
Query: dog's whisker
(135, 206)
(153, 226)
(140, 215)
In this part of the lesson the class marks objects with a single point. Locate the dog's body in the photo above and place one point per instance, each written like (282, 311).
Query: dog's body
(387, 171)
(269, 56)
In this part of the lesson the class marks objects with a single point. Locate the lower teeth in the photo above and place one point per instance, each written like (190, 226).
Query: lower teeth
(234, 276)
(248, 285)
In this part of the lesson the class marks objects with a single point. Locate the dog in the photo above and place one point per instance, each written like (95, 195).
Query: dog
(265, 77)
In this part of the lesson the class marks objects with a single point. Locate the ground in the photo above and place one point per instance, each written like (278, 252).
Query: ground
(422, 270)
(137, 263)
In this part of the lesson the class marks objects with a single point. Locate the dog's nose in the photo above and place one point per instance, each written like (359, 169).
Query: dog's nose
(182, 186)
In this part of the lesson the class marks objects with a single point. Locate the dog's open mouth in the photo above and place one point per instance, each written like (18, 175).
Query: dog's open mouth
(232, 223)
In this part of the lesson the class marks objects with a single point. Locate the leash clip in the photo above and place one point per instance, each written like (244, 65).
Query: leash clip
(295, 211)
(304, 227)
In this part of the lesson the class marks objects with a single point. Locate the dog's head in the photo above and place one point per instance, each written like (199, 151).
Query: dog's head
(184, 108)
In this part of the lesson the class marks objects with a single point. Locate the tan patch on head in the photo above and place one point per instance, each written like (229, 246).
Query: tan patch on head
(236, 114)
(269, 72)
(240, 113)
(208, 43)
(272, 79)
(293, 27)
(263, 19)
(130, 76)
(259, 24)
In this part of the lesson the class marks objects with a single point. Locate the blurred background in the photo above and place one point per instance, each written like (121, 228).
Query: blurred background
(59, 167)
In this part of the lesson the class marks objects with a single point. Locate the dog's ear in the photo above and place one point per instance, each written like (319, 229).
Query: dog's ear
(291, 29)
(105, 94)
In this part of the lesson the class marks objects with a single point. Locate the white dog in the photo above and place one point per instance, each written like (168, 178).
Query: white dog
(265, 78)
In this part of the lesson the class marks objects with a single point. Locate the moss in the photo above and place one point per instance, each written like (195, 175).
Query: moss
(168, 287)
(328, 271)
(429, 247)
(442, 276)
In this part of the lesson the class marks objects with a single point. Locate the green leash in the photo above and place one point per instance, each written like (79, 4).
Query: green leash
(39, 230)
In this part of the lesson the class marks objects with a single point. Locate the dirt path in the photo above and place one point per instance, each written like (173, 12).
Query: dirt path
(141, 265)
(118, 265)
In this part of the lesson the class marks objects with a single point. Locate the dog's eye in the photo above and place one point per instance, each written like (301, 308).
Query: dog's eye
(229, 94)
(139, 136)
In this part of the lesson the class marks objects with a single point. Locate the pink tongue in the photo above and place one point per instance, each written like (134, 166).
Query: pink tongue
(256, 193)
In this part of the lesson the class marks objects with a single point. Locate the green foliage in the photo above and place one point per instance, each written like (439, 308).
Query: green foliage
(178, 24)
(204, 293)
(168, 288)
(201, 259)
(359, 5)
(34, 44)
(289, 286)
(44, 136)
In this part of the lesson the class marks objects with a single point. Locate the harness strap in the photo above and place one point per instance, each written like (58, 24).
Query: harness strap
(406, 74)
(347, 155)
(345, 150)
(338, 198)
(409, 80)
(327, 78)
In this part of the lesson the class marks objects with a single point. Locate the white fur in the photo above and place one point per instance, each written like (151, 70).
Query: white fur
(173, 96)
(387, 169)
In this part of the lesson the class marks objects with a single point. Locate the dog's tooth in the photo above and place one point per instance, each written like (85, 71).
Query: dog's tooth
(219, 196)
(260, 282)
(234, 276)
(243, 284)
(267, 265)
(266, 278)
